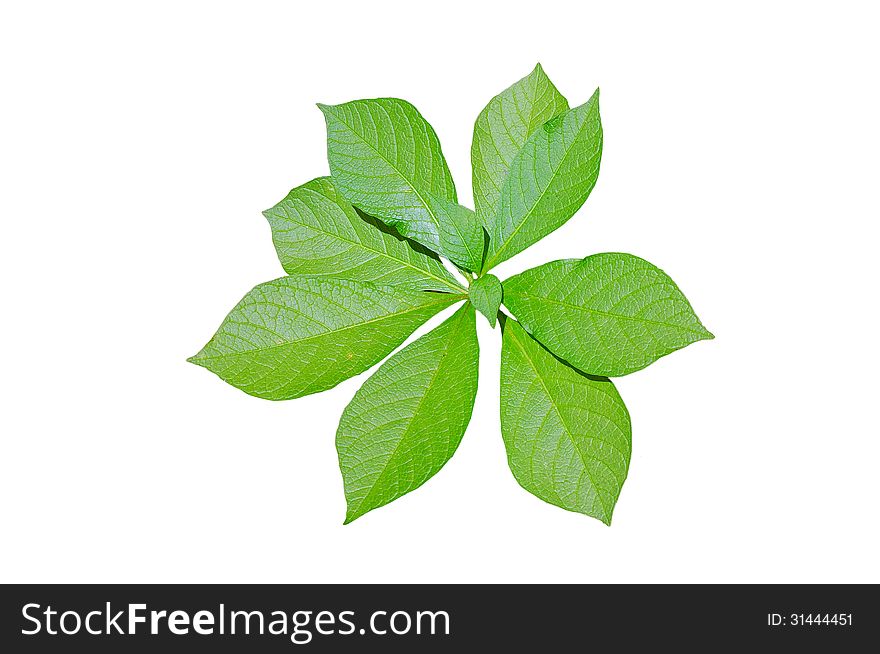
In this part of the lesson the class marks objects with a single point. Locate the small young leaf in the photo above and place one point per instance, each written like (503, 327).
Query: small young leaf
(549, 180)
(501, 131)
(485, 294)
(386, 160)
(299, 335)
(609, 314)
(317, 232)
(408, 418)
(567, 435)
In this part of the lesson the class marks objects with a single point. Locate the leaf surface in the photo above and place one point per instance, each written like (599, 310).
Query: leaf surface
(408, 418)
(318, 232)
(609, 314)
(501, 131)
(549, 179)
(485, 294)
(386, 160)
(300, 335)
(568, 436)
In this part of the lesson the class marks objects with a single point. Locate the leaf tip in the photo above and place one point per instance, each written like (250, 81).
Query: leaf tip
(605, 517)
(196, 359)
(349, 518)
(705, 335)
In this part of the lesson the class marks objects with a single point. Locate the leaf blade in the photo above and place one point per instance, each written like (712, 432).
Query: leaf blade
(408, 418)
(549, 180)
(485, 294)
(295, 336)
(609, 314)
(318, 232)
(568, 436)
(501, 130)
(386, 160)
(460, 236)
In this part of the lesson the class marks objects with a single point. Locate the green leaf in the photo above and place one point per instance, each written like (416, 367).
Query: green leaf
(386, 160)
(501, 131)
(408, 418)
(548, 181)
(317, 232)
(461, 238)
(485, 294)
(299, 335)
(567, 435)
(609, 314)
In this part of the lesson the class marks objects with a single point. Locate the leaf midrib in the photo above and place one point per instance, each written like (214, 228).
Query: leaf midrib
(539, 298)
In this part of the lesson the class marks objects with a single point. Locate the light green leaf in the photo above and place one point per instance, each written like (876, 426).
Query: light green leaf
(485, 294)
(461, 238)
(386, 160)
(609, 314)
(567, 435)
(501, 131)
(548, 181)
(408, 418)
(299, 335)
(318, 232)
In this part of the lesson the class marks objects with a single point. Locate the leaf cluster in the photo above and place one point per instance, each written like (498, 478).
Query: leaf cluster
(362, 251)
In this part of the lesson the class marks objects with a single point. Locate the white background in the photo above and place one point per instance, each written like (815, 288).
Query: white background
(138, 145)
